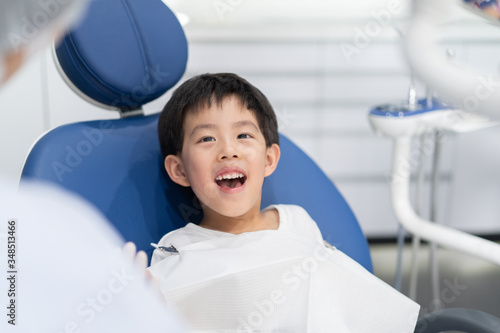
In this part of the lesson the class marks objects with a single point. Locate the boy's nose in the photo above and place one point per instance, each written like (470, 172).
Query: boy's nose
(225, 157)
(228, 156)
(228, 152)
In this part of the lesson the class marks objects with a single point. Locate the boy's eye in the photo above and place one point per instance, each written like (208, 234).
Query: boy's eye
(244, 136)
(207, 139)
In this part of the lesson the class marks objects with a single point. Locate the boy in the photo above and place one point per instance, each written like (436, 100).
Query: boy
(243, 269)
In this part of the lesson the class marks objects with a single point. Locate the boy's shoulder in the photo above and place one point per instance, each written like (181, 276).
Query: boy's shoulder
(293, 209)
(293, 214)
(296, 219)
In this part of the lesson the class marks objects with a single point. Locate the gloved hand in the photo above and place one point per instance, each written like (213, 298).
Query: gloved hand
(140, 258)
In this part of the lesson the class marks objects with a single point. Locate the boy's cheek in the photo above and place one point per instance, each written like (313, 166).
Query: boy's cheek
(207, 192)
(251, 154)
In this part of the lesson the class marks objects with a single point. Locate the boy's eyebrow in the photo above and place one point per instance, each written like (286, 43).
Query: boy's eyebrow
(237, 124)
(202, 126)
(243, 123)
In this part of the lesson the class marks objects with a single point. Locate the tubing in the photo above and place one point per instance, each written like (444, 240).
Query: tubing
(442, 235)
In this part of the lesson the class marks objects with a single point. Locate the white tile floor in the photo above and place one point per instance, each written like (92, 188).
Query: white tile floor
(466, 281)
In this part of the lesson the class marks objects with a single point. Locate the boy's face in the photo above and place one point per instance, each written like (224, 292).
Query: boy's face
(224, 158)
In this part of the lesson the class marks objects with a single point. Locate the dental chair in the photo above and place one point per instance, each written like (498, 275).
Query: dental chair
(125, 54)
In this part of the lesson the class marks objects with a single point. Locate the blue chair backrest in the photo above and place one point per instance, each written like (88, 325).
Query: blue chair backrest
(117, 164)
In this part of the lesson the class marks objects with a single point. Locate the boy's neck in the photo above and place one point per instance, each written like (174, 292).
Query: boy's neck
(253, 220)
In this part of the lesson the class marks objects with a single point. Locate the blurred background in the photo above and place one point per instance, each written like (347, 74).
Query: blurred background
(323, 64)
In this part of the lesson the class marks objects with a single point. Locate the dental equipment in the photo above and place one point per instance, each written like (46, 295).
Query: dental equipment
(401, 123)
(462, 89)
(169, 249)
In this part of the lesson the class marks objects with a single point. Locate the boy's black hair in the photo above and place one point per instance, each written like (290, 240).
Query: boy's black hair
(200, 92)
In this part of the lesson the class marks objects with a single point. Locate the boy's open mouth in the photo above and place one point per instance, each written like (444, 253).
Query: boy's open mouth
(231, 180)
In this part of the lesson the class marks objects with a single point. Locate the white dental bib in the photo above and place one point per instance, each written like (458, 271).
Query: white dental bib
(283, 280)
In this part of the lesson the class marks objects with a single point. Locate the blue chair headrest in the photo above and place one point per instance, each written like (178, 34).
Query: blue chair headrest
(125, 53)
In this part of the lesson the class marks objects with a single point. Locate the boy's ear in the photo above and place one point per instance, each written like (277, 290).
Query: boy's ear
(272, 158)
(175, 169)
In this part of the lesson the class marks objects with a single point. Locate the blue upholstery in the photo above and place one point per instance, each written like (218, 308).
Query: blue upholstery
(117, 165)
(127, 57)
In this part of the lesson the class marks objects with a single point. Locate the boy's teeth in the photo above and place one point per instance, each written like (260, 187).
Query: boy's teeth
(228, 176)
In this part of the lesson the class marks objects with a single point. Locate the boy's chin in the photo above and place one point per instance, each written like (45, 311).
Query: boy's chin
(230, 210)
